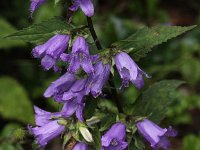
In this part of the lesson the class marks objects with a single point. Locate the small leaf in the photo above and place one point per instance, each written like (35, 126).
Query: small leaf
(41, 32)
(155, 100)
(14, 102)
(140, 43)
(67, 137)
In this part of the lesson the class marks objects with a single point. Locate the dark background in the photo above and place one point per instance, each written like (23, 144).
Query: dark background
(23, 81)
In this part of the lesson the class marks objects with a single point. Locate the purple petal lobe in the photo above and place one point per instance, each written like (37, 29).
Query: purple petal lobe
(35, 4)
(80, 146)
(86, 6)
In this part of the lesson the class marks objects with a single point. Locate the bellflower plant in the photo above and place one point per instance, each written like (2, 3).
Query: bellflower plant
(108, 122)
(154, 134)
(51, 50)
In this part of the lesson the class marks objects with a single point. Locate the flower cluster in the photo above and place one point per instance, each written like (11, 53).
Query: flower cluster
(86, 74)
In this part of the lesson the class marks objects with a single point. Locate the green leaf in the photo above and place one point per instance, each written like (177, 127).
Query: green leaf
(191, 142)
(14, 102)
(5, 29)
(7, 146)
(8, 130)
(41, 32)
(155, 100)
(97, 138)
(140, 43)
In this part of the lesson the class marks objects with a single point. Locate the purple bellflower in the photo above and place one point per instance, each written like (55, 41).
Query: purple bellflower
(114, 139)
(35, 4)
(73, 100)
(129, 70)
(97, 80)
(79, 57)
(77, 91)
(73, 106)
(80, 146)
(154, 134)
(51, 50)
(61, 85)
(86, 6)
(47, 127)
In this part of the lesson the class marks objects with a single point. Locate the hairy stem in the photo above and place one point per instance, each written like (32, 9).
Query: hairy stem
(114, 94)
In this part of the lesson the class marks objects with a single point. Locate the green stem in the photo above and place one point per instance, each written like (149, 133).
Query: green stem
(93, 33)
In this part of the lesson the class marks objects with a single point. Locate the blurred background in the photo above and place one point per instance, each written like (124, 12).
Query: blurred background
(23, 81)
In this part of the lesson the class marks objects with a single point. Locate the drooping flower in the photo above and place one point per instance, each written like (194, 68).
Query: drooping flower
(79, 57)
(35, 4)
(76, 91)
(73, 106)
(80, 146)
(115, 137)
(47, 128)
(129, 70)
(73, 100)
(86, 6)
(43, 117)
(58, 87)
(51, 50)
(155, 135)
(99, 79)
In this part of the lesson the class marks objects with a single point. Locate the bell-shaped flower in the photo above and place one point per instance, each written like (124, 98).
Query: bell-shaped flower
(76, 91)
(35, 4)
(73, 106)
(43, 117)
(155, 135)
(97, 81)
(79, 57)
(80, 146)
(86, 6)
(51, 50)
(47, 127)
(115, 137)
(129, 70)
(58, 87)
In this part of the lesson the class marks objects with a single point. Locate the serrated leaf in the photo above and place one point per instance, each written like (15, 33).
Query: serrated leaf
(140, 43)
(155, 100)
(41, 32)
(14, 102)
